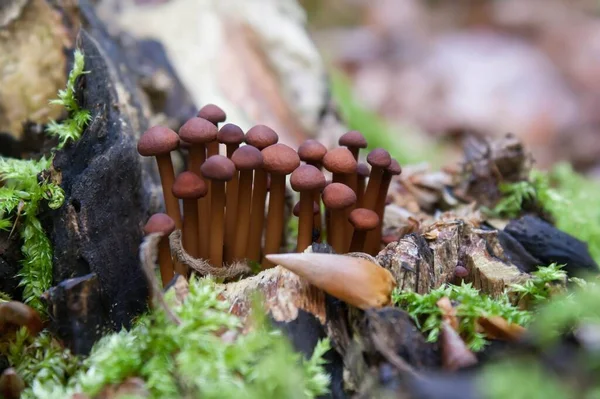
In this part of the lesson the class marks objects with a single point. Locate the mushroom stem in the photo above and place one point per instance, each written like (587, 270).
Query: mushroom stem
(190, 229)
(358, 239)
(373, 238)
(257, 218)
(164, 261)
(231, 208)
(197, 158)
(338, 236)
(167, 178)
(360, 190)
(372, 190)
(217, 218)
(317, 222)
(305, 221)
(275, 217)
(212, 148)
(243, 215)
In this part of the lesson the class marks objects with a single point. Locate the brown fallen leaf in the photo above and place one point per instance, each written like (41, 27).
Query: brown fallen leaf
(448, 312)
(496, 327)
(455, 353)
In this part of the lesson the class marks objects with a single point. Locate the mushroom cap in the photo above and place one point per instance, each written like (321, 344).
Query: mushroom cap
(247, 158)
(189, 185)
(363, 219)
(212, 113)
(394, 169)
(354, 139)
(339, 160)
(218, 167)
(296, 210)
(363, 170)
(280, 159)
(312, 151)
(159, 223)
(157, 140)
(198, 131)
(338, 196)
(261, 136)
(379, 158)
(231, 134)
(306, 178)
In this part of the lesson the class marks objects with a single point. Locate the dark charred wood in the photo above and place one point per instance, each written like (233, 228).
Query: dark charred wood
(110, 191)
(517, 254)
(442, 386)
(10, 256)
(77, 313)
(551, 245)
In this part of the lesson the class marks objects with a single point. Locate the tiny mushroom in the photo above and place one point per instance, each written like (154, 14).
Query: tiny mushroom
(307, 180)
(11, 384)
(373, 240)
(218, 169)
(159, 141)
(232, 136)
(198, 132)
(189, 187)
(279, 160)
(164, 225)
(312, 152)
(296, 210)
(246, 160)
(214, 115)
(338, 197)
(354, 140)
(261, 137)
(363, 220)
(379, 159)
(341, 163)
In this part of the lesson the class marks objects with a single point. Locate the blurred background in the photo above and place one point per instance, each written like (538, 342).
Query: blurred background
(413, 75)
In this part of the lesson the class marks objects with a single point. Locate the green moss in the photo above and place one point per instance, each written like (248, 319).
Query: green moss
(192, 360)
(471, 304)
(25, 186)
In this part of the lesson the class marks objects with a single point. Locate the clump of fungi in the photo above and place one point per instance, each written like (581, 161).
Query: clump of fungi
(232, 176)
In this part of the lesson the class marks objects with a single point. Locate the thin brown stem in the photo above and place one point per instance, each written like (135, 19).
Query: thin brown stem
(257, 218)
(275, 217)
(167, 179)
(217, 219)
(305, 222)
(243, 218)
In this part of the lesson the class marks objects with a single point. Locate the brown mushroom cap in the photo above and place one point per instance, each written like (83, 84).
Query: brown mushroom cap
(159, 223)
(189, 185)
(353, 139)
(339, 160)
(198, 131)
(306, 178)
(231, 134)
(218, 167)
(363, 219)
(212, 113)
(379, 158)
(338, 196)
(157, 140)
(247, 158)
(312, 151)
(363, 170)
(296, 210)
(394, 168)
(280, 159)
(261, 136)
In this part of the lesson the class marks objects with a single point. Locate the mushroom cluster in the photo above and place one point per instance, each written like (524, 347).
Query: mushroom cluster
(224, 192)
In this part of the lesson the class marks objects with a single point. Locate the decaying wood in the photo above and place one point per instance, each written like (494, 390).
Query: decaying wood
(425, 262)
(77, 312)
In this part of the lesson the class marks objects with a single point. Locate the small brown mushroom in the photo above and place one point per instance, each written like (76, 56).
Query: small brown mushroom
(279, 160)
(374, 237)
(163, 224)
(379, 159)
(341, 163)
(307, 180)
(356, 281)
(11, 384)
(354, 140)
(363, 220)
(198, 132)
(189, 187)
(312, 152)
(232, 136)
(261, 137)
(218, 169)
(338, 197)
(14, 315)
(159, 141)
(246, 160)
(215, 115)
(362, 171)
